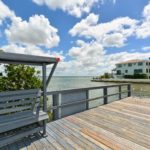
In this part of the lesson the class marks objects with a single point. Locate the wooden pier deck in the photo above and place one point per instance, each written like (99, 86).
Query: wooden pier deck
(121, 125)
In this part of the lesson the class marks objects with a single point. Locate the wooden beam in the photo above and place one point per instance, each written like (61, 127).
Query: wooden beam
(51, 74)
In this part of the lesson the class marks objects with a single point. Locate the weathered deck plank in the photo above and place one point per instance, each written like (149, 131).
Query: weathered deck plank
(121, 125)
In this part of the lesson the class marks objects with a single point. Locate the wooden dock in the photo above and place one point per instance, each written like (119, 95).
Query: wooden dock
(121, 125)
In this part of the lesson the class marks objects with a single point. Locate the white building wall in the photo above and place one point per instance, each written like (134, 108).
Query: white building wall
(129, 70)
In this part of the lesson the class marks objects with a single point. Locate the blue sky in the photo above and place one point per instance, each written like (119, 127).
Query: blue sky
(89, 36)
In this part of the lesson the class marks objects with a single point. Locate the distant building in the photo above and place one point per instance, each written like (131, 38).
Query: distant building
(132, 67)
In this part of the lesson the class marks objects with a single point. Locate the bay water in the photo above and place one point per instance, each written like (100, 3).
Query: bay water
(74, 82)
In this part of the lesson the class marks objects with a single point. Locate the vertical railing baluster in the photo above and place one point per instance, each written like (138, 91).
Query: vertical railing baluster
(55, 98)
(44, 96)
(120, 92)
(87, 97)
(105, 95)
(129, 90)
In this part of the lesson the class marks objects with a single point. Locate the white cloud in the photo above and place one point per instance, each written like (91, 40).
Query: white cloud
(143, 30)
(87, 52)
(5, 12)
(36, 31)
(86, 57)
(25, 37)
(84, 27)
(72, 7)
(114, 40)
(146, 11)
(146, 48)
(120, 28)
(97, 64)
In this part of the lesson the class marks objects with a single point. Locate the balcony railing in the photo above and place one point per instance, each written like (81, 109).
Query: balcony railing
(68, 102)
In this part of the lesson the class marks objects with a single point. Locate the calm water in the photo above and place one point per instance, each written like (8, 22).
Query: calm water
(61, 83)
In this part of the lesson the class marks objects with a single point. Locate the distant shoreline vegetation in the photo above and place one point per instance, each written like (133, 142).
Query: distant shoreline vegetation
(110, 76)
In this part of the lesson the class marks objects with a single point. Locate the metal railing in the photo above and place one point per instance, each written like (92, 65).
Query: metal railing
(141, 93)
(68, 102)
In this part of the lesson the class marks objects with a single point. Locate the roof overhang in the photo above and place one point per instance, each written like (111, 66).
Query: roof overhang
(15, 58)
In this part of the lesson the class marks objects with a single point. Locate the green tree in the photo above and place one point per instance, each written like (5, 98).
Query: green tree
(106, 76)
(18, 77)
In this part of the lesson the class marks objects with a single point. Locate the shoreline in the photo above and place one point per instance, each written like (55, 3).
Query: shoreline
(139, 81)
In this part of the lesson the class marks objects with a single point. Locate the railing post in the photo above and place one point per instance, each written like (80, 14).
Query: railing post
(44, 97)
(105, 95)
(129, 90)
(120, 92)
(87, 97)
(55, 98)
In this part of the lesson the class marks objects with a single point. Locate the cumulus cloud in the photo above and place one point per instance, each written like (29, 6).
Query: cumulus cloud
(143, 30)
(36, 31)
(146, 11)
(32, 33)
(98, 64)
(146, 48)
(86, 50)
(114, 40)
(86, 58)
(102, 35)
(72, 7)
(5, 12)
(119, 28)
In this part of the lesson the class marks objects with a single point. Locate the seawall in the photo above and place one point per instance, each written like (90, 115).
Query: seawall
(140, 81)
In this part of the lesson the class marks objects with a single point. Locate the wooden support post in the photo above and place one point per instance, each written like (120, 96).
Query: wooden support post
(129, 90)
(55, 103)
(105, 95)
(51, 73)
(120, 92)
(44, 96)
(87, 97)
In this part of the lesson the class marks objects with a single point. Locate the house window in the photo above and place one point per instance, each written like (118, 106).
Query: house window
(130, 65)
(146, 70)
(149, 70)
(140, 63)
(120, 65)
(118, 72)
(126, 71)
(137, 71)
(147, 64)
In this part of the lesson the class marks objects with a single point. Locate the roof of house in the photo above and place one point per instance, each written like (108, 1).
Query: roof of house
(134, 61)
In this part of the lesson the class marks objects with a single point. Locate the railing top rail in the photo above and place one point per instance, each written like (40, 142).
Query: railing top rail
(87, 88)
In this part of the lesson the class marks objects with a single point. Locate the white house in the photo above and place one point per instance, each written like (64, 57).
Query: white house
(132, 67)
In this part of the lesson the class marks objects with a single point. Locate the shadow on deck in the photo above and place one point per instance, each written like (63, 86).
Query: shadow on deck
(121, 125)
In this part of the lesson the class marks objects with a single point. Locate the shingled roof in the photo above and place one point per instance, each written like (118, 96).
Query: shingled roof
(134, 61)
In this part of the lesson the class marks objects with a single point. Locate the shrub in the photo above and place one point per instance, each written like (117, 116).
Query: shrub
(106, 76)
(136, 76)
(18, 77)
